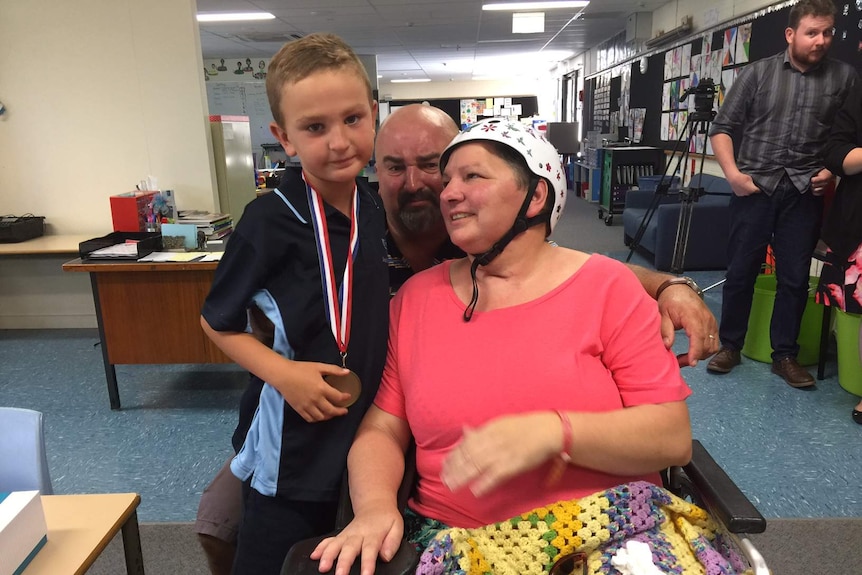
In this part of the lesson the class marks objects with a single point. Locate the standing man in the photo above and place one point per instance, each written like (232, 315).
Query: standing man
(779, 113)
(407, 151)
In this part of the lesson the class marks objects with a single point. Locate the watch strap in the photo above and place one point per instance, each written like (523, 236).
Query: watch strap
(679, 281)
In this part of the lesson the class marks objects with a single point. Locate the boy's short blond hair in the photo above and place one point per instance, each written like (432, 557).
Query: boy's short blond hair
(301, 58)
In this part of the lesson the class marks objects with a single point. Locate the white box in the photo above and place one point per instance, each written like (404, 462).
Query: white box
(22, 530)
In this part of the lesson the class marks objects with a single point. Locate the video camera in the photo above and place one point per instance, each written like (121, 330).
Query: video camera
(704, 95)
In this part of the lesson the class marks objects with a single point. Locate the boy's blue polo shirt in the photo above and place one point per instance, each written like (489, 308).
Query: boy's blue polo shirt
(271, 260)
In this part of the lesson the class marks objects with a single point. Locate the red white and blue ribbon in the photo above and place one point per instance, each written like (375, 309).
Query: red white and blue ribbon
(337, 300)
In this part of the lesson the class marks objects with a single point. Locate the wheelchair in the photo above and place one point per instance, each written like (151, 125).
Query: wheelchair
(701, 481)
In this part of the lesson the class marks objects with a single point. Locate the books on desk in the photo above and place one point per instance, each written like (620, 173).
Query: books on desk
(22, 530)
(214, 225)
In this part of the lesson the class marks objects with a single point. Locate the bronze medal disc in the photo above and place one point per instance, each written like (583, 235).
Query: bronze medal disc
(348, 383)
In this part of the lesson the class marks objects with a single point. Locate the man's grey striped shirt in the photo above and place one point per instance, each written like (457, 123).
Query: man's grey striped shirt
(779, 118)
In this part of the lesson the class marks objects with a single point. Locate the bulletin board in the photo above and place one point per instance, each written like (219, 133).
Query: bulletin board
(720, 54)
(244, 99)
(527, 105)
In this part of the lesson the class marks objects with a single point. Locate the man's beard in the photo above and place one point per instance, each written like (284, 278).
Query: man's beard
(422, 218)
(811, 57)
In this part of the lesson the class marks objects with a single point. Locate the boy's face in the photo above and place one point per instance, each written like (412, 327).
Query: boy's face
(329, 124)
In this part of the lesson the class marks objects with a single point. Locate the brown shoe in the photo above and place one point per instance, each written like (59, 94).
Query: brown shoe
(793, 373)
(724, 361)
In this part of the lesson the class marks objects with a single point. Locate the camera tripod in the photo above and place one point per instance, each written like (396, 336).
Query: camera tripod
(697, 122)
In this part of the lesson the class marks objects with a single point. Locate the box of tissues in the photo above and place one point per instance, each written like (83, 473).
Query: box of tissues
(22, 530)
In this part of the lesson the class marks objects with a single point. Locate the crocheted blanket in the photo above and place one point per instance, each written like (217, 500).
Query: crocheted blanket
(682, 537)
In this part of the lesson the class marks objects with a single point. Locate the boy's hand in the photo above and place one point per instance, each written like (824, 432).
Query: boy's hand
(308, 394)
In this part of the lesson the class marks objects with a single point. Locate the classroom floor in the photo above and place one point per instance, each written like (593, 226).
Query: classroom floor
(795, 453)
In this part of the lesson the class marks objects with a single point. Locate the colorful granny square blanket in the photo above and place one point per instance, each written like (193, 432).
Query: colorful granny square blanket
(682, 537)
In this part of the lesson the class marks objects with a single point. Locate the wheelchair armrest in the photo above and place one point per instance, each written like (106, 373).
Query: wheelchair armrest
(298, 561)
(710, 487)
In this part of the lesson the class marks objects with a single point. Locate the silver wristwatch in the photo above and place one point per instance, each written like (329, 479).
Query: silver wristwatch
(676, 281)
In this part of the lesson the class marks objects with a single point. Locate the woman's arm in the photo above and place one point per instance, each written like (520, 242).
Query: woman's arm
(842, 154)
(375, 469)
(628, 441)
(632, 440)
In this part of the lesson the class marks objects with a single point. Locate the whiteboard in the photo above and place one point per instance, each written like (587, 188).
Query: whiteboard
(244, 99)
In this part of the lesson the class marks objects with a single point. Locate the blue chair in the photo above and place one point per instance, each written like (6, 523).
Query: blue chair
(22, 451)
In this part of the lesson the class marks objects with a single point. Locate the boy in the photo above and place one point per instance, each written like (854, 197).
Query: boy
(295, 425)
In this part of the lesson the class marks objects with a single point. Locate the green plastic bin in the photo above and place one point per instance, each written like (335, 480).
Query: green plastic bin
(757, 344)
(849, 365)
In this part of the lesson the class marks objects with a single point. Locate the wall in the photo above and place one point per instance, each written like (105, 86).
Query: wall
(100, 94)
(704, 16)
(543, 87)
(237, 86)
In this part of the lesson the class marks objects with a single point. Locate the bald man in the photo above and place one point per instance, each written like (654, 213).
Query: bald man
(407, 155)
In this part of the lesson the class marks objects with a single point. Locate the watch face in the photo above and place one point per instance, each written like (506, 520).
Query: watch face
(691, 283)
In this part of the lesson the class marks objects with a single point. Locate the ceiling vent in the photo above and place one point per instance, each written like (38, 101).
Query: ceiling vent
(279, 37)
(677, 33)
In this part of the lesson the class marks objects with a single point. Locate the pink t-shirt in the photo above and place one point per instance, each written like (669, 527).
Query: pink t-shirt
(591, 344)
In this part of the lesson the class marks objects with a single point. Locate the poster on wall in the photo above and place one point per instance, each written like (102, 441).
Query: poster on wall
(235, 69)
(469, 112)
(729, 47)
(743, 44)
(685, 63)
(694, 77)
(637, 117)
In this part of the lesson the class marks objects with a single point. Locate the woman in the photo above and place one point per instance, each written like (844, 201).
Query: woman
(510, 407)
(840, 284)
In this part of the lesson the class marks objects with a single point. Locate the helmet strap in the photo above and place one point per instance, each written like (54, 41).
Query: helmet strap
(522, 223)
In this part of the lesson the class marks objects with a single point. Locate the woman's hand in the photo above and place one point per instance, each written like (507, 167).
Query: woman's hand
(504, 447)
(377, 531)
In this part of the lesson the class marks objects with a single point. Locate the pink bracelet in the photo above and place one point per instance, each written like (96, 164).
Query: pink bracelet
(565, 452)
(564, 458)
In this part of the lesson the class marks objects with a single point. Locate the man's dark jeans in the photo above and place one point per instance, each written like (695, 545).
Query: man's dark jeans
(790, 221)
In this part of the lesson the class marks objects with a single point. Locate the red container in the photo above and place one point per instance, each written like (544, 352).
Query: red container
(130, 210)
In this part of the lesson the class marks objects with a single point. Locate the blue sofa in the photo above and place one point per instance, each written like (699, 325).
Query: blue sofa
(710, 224)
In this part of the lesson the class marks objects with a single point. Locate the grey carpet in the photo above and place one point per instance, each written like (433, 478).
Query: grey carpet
(581, 229)
(790, 546)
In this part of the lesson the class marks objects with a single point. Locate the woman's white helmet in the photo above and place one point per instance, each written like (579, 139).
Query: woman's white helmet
(540, 155)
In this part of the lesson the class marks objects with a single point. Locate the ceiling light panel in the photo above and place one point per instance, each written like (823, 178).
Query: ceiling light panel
(233, 16)
(518, 6)
(528, 22)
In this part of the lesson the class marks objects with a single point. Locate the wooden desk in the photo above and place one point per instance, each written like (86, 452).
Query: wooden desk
(58, 244)
(34, 291)
(149, 313)
(79, 529)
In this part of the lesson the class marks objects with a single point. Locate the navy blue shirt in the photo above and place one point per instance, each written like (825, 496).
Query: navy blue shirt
(399, 268)
(271, 261)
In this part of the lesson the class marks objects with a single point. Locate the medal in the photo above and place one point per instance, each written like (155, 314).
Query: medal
(337, 300)
(348, 383)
